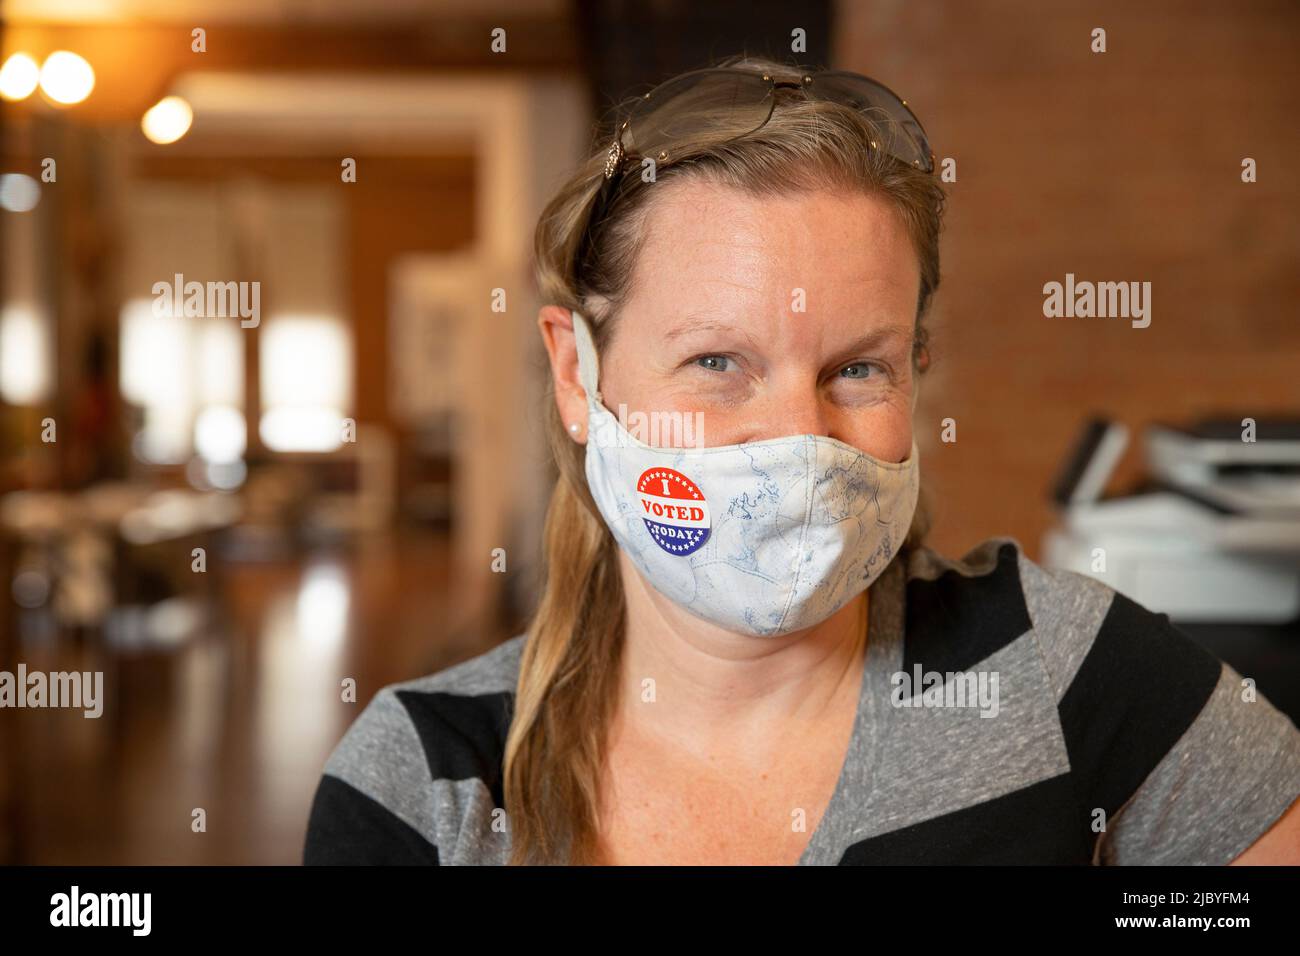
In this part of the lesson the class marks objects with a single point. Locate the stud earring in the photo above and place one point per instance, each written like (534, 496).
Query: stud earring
(574, 428)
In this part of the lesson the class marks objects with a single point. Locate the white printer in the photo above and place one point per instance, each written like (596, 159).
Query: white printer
(1214, 535)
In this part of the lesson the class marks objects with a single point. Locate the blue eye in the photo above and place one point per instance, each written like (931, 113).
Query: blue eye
(862, 366)
(719, 362)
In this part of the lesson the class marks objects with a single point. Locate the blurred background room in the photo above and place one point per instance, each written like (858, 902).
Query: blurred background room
(331, 468)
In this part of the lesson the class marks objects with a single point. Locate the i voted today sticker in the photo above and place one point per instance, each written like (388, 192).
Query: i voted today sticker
(674, 510)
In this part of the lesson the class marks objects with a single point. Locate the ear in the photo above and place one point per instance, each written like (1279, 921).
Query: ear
(556, 325)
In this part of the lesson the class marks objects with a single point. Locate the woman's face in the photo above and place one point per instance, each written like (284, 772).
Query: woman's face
(769, 317)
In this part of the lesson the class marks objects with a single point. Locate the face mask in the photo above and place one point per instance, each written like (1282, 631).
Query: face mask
(760, 538)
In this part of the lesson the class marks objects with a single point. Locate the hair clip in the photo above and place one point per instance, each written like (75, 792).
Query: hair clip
(614, 158)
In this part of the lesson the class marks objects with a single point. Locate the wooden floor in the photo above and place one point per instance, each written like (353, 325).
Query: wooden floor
(238, 722)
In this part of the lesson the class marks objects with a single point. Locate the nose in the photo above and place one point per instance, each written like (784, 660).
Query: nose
(801, 417)
(797, 408)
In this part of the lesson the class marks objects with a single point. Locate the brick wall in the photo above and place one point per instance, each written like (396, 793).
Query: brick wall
(1119, 166)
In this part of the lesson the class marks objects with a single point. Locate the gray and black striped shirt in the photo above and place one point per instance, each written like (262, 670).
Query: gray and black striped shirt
(1114, 739)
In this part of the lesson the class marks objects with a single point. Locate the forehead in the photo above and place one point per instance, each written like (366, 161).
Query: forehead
(704, 240)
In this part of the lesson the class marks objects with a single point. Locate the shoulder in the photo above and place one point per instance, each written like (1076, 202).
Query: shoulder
(1167, 744)
(493, 670)
(420, 755)
(1081, 627)
(446, 717)
(993, 597)
(1102, 653)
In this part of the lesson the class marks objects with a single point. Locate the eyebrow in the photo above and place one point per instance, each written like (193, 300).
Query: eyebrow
(690, 326)
(876, 337)
(904, 334)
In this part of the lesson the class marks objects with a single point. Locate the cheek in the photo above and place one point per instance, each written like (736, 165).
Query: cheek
(884, 432)
(641, 386)
(624, 384)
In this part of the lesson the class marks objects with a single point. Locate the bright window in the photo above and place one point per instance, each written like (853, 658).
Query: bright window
(306, 380)
(188, 375)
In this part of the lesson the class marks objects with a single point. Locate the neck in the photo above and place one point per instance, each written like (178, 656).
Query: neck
(719, 692)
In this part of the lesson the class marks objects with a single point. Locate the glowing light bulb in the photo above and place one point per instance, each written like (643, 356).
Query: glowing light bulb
(66, 78)
(18, 77)
(19, 193)
(167, 120)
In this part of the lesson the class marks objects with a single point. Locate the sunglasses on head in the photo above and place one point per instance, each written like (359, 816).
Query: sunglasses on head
(721, 104)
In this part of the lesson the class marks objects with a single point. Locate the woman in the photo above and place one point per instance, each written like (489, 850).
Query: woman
(744, 652)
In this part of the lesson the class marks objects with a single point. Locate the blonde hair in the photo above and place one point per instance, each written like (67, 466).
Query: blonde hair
(569, 668)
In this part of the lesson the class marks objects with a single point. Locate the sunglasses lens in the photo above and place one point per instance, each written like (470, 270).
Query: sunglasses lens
(709, 105)
(900, 131)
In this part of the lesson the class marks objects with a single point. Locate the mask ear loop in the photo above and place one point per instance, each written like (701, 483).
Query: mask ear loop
(588, 361)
